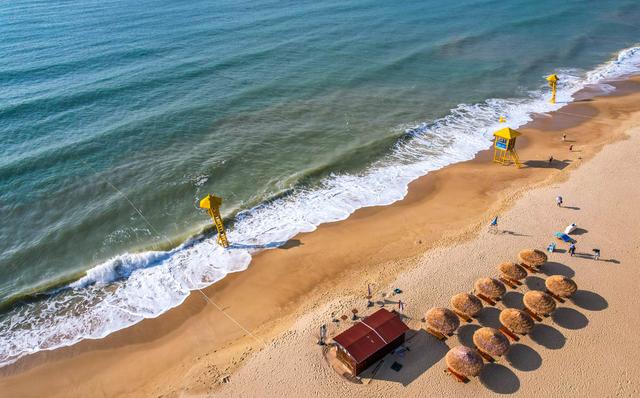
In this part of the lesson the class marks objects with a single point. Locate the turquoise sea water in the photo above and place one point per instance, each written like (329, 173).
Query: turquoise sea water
(296, 113)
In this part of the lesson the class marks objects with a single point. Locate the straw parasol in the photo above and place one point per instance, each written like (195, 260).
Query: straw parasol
(516, 321)
(491, 341)
(467, 304)
(442, 320)
(492, 288)
(464, 360)
(561, 285)
(512, 271)
(533, 257)
(539, 302)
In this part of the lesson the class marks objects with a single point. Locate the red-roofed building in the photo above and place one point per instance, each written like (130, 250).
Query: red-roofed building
(369, 340)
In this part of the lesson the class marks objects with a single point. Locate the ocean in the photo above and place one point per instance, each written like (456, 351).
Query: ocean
(117, 116)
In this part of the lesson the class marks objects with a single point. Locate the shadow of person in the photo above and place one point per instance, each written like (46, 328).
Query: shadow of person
(534, 283)
(569, 318)
(548, 336)
(513, 299)
(553, 268)
(490, 316)
(424, 352)
(523, 358)
(499, 379)
(571, 207)
(465, 334)
(589, 300)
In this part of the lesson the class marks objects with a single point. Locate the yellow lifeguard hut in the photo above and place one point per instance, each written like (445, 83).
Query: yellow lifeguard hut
(212, 204)
(504, 146)
(553, 83)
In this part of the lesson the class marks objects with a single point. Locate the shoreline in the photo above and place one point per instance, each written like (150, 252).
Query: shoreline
(441, 208)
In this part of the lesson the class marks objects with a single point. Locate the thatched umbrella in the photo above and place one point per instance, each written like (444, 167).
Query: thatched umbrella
(465, 361)
(489, 287)
(533, 257)
(539, 302)
(442, 320)
(491, 341)
(561, 285)
(516, 321)
(512, 271)
(467, 304)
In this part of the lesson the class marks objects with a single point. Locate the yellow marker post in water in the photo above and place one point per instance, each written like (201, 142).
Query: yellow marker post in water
(212, 204)
(553, 83)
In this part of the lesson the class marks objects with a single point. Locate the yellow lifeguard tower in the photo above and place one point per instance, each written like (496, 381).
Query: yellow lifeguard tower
(553, 83)
(212, 204)
(504, 146)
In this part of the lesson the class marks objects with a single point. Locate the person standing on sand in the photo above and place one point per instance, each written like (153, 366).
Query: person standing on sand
(571, 147)
(564, 137)
(572, 249)
(559, 201)
(596, 254)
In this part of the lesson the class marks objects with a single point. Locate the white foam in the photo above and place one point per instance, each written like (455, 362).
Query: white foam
(131, 287)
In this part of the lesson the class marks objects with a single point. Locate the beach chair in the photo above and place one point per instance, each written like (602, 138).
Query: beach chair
(563, 237)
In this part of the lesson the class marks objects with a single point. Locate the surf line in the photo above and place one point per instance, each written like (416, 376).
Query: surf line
(207, 298)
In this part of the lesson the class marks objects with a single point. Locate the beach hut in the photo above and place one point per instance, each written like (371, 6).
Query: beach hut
(504, 146)
(560, 287)
(466, 305)
(538, 304)
(463, 362)
(369, 340)
(441, 322)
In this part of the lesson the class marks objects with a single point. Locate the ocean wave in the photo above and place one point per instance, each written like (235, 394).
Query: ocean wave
(131, 287)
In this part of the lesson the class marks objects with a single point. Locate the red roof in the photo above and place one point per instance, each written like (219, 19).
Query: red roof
(370, 335)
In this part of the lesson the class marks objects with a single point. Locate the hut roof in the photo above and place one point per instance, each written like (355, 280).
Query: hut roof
(533, 257)
(464, 360)
(371, 334)
(507, 133)
(539, 302)
(491, 341)
(443, 320)
(561, 285)
(466, 303)
(517, 321)
(512, 270)
(490, 287)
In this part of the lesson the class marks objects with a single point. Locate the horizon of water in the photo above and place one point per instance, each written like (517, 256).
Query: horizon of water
(118, 117)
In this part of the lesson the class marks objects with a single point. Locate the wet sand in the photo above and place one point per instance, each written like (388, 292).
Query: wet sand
(191, 347)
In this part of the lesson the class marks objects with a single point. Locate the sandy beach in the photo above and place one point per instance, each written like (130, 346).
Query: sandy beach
(432, 245)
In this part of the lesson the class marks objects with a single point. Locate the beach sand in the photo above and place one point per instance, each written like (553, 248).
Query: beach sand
(432, 244)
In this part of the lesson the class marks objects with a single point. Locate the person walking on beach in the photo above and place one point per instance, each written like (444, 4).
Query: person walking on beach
(571, 147)
(550, 159)
(559, 201)
(564, 137)
(596, 254)
(572, 249)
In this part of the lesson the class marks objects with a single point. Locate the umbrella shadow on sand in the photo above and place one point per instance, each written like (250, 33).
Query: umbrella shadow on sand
(590, 301)
(553, 268)
(499, 379)
(523, 358)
